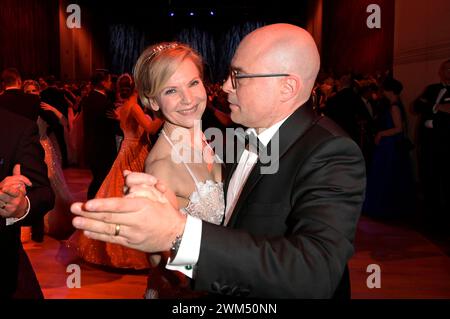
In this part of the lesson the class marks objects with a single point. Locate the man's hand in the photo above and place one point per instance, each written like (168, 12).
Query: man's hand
(144, 224)
(12, 194)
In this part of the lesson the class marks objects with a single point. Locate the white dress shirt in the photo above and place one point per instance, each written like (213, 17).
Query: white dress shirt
(368, 106)
(189, 250)
(13, 220)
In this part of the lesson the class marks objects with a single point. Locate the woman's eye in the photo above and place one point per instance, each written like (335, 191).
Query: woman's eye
(170, 91)
(195, 82)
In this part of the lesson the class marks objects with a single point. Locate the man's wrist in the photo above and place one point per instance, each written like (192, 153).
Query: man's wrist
(178, 237)
(175, 246)
(189, 251)
(13, 220)
(25, 209)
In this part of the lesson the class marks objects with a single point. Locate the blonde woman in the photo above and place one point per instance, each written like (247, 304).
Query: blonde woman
(169, 81)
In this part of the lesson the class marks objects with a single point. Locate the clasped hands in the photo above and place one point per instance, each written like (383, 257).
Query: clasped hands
(147, 219)
(13, 203)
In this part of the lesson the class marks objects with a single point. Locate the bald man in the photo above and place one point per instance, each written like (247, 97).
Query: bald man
(287, 234)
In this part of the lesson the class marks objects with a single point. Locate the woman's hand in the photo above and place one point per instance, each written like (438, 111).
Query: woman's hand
(113, 115)
(147, 186)
(378, 138)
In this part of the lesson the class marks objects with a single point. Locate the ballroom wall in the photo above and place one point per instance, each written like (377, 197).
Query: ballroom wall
(314, 21)
(82, 50)
(349, 45)
(28, 40)
(421, 44)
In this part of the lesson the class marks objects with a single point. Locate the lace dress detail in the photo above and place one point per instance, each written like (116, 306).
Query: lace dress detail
(207, 201)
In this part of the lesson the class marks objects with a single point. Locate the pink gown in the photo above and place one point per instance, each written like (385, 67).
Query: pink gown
(132, 154)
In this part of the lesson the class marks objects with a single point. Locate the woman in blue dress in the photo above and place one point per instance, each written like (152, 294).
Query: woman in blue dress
(390, 189)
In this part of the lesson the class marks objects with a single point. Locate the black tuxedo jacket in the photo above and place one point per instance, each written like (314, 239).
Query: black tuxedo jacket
(343, 109)
(18, 102)
(440, 133)
(55, 97)
(99, 130)
(19, 144)
(291, 233)
(424, 104)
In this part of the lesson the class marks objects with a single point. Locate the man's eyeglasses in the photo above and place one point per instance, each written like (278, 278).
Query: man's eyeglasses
(235, 75)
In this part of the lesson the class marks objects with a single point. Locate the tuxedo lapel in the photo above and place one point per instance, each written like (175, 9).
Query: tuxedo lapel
(291, 130)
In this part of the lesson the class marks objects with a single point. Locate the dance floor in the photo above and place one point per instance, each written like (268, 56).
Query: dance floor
(411, 264)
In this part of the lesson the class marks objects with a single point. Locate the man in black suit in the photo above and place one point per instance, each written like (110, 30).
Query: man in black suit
(289, 232)
(14, 99)
(342, 107)
(365, 116)
(433, 107)
(99, 130)
(28, 106)
(21, 163)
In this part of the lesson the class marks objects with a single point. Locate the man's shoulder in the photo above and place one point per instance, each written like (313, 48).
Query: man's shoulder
(94, 101)
(13, 125)
(433, 89)
(18, 95)
(10, 93)
(31, 98)
(330, 127)
(11, 119)
(324, 132)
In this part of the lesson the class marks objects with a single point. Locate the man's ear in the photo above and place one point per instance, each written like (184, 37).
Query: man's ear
(154, 105)
(290, 87)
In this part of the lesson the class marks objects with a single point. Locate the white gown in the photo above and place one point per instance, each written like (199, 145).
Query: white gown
(207, 203)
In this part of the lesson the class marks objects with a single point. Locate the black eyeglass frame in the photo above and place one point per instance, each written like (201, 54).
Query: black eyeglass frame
(234, 76)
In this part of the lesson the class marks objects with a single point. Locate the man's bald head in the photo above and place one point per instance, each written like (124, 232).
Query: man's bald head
(273, 73)
(285, 48)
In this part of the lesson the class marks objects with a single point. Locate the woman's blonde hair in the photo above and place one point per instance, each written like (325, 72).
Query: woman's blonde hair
(157, 64)
(27, 83)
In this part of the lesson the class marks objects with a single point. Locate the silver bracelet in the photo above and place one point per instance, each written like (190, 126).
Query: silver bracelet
(175, 246)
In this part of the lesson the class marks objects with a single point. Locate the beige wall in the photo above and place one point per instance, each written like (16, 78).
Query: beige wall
(79, 54)
(421, 43)
(314, 23)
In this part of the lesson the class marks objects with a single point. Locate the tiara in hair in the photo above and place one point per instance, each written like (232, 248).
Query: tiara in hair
(162, 47)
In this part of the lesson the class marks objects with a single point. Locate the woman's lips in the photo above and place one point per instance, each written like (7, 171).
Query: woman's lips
(189, 111)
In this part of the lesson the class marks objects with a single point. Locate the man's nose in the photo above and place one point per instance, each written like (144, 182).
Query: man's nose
(227, 87)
